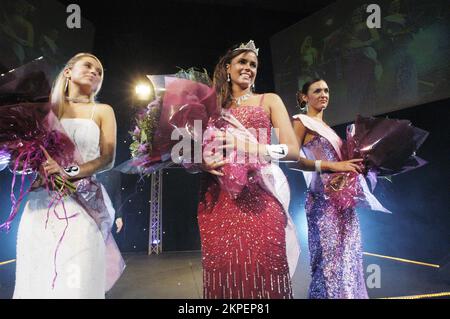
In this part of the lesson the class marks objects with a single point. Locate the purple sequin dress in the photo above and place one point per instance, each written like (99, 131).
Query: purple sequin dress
(334, 236)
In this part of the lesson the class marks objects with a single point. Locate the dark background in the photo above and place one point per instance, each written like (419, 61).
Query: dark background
(403, 63)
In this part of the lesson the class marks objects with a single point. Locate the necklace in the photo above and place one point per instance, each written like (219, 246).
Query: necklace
(242, 98)
(77, 100)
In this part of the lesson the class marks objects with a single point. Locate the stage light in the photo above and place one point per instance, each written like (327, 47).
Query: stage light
(143, 92)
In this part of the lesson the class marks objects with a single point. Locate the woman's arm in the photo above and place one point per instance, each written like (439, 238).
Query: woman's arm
(309, 165)
(108, 131)
(105, 161)
(280, 121)
(300, 131)
(282, 124)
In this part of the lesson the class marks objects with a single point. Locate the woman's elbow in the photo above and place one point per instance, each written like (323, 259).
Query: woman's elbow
(110, 166)
(109, 162)
(292, 157)
(293, 153)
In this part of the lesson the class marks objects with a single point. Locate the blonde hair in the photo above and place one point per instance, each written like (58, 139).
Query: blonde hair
(60, 89)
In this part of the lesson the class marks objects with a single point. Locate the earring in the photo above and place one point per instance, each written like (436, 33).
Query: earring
(228, 77)
(253, 87)
(66, 85)
(303, 106)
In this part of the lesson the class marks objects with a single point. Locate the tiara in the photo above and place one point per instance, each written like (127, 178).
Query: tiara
(249, 46)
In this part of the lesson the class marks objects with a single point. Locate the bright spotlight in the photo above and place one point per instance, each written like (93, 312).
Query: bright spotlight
(143, 91)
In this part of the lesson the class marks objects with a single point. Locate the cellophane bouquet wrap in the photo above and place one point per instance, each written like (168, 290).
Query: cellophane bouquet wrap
(27, 124)
(178, 101)
(186, 108)
(387, 146)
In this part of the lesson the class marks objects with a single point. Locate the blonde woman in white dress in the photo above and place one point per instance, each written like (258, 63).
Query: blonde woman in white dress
(71, 253)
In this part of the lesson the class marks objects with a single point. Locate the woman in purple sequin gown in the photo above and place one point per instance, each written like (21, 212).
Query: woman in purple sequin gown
(333, 233)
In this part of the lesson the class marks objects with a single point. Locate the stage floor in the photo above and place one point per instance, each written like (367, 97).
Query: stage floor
(178, 275)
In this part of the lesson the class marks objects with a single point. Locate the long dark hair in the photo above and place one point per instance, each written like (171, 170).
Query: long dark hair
(302, 104)
(222, 87)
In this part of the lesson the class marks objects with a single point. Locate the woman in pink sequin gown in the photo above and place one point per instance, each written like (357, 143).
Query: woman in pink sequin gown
(244, 238)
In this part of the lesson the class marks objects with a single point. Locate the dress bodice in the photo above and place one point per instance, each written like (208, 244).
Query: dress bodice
(326, 145)
(254, 118)
(319, 148)
(85, 133)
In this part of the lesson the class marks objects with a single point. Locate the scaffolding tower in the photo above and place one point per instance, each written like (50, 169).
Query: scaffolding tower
(155, 233)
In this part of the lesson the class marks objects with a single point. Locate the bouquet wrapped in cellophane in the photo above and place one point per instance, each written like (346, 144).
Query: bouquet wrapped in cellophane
(178, 101)
(185, 107)
(27, 124)
(387, 146)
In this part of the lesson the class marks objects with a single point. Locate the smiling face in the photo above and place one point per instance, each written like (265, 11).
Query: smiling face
(87, 73)
(318, 95)
(243, 69)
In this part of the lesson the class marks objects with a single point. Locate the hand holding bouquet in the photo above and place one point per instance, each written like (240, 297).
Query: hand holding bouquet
(187, 108)
(388, 147)
(27, 128)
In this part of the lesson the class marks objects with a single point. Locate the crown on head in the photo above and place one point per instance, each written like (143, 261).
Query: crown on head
(250, 45)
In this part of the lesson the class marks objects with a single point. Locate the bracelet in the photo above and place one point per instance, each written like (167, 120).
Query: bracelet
(72, 170)
(318, 166)
(277, 151)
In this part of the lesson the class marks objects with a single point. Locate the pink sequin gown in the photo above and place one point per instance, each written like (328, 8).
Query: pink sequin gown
(243, 239)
